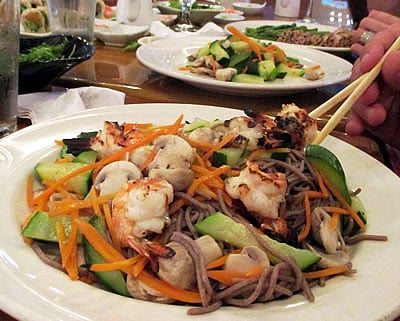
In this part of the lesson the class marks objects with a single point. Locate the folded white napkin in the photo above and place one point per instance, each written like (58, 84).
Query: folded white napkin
(157, 28)
(44, 106)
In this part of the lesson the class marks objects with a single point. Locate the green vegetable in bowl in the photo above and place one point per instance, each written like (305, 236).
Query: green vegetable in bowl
(43, 52)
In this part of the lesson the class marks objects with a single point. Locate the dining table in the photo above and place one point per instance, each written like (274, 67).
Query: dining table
(119, 69)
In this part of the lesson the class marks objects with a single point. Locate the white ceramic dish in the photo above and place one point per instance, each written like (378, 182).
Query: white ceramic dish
(31, 290)
(242, 25)
(24, 34)
(250, 9)
(198, 16)
(113, 33)
(223, 17)
(168, 55)
(167, 19)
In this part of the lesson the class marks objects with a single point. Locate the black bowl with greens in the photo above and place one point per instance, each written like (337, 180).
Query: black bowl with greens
(43, 60)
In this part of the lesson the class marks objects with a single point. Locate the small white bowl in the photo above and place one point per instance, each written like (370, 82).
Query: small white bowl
(250, 9)
(223, 18)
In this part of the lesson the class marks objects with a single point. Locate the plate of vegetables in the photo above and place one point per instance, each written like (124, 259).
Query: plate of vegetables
(247, 67)
(321, 37)
(45, 214)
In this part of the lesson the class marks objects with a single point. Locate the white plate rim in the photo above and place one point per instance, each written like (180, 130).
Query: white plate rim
(30, 293)
(159, 56)
(241, 25)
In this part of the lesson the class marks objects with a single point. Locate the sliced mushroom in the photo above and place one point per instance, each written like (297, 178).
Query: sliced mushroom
(225, 74)
(331, 260)
(178, 270)
(172, 162)
(140, 291)
(140, 155)
(248, 258)
(112, 176)
(322, 231)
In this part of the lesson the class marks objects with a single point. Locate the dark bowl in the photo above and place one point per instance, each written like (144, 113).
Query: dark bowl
(35, 75)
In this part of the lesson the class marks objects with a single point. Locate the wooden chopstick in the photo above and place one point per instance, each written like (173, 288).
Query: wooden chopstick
(353, 93)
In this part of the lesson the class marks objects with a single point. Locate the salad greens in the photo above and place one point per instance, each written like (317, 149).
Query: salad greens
(43, 52)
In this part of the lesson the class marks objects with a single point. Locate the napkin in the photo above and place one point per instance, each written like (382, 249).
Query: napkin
(42, 106)
(157, 28)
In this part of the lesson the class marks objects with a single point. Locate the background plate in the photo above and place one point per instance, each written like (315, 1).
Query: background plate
(242, 25)
(168, 55)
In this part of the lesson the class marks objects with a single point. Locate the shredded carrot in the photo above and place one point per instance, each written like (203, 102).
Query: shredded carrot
(106, 250)
(213, 63)
(149, 159)
(326, 272)
(220, 261)
(315, 194)
(184, 68)
(315, 67)
(219, 145)
(124, 265)
(229, 277)
(197, 182)
(167, 289)
(162, 130)
(333, 209)
(253, 45)
(321, 184)
(68, 253)
(94, 201)
(59, 142)
(66, 205)
(110, 227)
(333, 223)
(139, 266)
(346, 205)
(304, 233)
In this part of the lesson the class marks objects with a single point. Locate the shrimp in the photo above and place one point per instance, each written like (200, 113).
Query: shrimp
(261, 193)
(139, 209)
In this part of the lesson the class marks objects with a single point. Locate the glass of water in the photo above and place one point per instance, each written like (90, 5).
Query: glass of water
(9, 51)
(184, 23)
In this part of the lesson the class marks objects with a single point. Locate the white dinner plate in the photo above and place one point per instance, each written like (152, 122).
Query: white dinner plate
(116, 34)
(242, 25)
(31, 290)
(169, 55)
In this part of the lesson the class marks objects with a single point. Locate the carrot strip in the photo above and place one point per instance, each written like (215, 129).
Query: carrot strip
(139, 266)
(124, 265)
(221, 144)
(148, 160)
(163, 130)
(66, 258)
(167, 289)
(321, 184)
(110, 227)
(315, 194)
(253, 45)
(94, 202)
(106, 250)
(326, 272)
(197, 182)
(229, 277)
(333, 209)
(220, 261)
(346, 205)
(304, 233)
(333, 223)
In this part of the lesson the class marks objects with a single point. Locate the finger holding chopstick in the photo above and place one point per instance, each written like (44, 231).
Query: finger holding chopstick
(372, 102)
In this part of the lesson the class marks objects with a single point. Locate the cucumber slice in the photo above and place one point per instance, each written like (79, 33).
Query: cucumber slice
(330, 167)
(42, 227)
(267, 69)
(223, 228)
(227, 156)
(217, 51)
(249, 79)
(112, 280)
(290, 72)
(54, 171)
(86, 157)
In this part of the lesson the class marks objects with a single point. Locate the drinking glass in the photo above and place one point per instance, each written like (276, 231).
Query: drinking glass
(9, 50)
(308, 17)
(184, 23)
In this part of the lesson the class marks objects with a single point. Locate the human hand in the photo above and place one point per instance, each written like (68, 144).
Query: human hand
(375, 22)
(378, 109)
